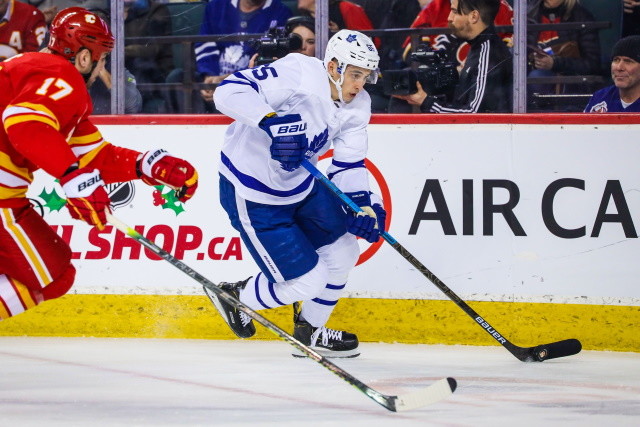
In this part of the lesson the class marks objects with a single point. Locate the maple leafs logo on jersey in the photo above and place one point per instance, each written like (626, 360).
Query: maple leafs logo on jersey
(600, 107)
(317, 143)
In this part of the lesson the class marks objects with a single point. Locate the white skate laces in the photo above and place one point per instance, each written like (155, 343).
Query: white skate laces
(327, 334)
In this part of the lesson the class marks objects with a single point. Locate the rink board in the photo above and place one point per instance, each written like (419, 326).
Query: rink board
(532, 219)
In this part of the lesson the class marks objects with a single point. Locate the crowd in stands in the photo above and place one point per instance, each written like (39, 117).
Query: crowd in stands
(552, 54)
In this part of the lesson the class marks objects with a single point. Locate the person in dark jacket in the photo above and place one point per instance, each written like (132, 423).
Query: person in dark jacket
(563, 52)
(485, 84)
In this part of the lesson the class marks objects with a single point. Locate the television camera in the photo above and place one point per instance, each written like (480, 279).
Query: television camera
(436, 74)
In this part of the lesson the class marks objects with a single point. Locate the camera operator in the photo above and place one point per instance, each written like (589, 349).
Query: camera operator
(298, 35)
(485, 83)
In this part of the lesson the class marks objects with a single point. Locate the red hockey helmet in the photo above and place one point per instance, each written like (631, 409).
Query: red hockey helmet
(74, 28)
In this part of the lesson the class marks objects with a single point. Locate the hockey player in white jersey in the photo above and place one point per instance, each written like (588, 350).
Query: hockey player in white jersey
(297, 231)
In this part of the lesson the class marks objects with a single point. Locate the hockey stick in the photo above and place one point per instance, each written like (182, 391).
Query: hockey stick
(426, 396)
(526, 354)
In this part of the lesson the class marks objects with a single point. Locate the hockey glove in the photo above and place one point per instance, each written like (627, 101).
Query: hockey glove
(370, 222)
(158, 167)
(87, 199)
(288, 140)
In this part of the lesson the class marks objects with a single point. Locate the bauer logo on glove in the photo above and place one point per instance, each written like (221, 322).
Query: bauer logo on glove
(288, 139)
(87, 199)
(292, 129)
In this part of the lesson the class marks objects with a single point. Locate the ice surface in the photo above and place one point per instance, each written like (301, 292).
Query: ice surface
(143, 382)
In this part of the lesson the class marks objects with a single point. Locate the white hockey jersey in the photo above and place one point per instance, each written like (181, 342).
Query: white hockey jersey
(295, 84)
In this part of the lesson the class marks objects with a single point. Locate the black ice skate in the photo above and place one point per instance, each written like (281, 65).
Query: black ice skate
(241, 324)
(327, 342)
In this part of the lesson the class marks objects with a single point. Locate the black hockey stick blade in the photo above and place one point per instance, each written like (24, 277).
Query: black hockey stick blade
(526, 354)
(557, 349)
(434, 393)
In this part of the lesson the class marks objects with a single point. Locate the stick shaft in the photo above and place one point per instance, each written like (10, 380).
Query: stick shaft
(384, 400)
(417, 264)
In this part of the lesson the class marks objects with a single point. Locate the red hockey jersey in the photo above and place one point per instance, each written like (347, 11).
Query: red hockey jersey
(46, 105)
(22, 29)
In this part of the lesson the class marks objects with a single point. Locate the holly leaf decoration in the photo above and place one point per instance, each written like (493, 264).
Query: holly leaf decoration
(52, 200)
(172, 202)
(167, 200)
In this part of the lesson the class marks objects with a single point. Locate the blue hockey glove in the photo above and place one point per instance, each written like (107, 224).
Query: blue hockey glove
(288, 139)
(370, 222)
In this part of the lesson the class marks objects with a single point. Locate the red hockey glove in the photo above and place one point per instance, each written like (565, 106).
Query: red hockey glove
(158, 167)
(87, 199)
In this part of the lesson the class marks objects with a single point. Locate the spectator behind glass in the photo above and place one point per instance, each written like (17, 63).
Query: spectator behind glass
(486, 78)
(148, 62)
(631, 18)
(305, 28)
(436, 15)
(100, 90)
(22, 28)
(50, 7)
(624, 95)
(568, 52)
(216, 60)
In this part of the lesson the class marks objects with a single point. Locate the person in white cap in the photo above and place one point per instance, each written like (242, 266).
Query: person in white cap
(304, 242)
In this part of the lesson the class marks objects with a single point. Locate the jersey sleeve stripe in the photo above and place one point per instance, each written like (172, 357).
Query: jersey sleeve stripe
(12, 193)
(87, 153)
(204, 55)
(26, 111)
(7, 165)
(207, 46)
(9, 180)
(243, 81)
(92, 138)
(37, 107)
(21, 118)
(254, 184)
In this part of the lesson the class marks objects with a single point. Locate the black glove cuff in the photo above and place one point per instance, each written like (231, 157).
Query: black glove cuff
(139, 167)
(73, 167)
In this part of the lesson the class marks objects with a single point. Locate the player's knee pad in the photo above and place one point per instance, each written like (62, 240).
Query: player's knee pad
(60, 284)
(340, 256)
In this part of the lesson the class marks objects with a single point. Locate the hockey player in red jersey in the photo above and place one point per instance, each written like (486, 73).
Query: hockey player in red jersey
(22, 28)
(45, 110)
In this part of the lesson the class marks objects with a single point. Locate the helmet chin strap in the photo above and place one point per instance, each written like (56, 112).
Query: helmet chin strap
(338, 83)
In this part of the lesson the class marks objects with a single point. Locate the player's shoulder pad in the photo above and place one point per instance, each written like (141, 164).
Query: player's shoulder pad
(308, 66)
(300, 71)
